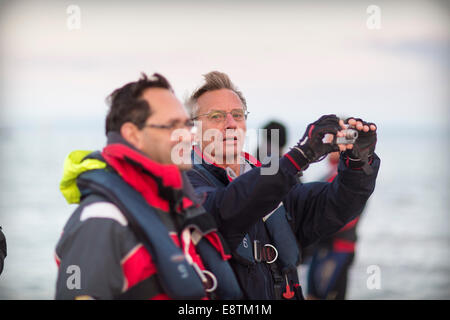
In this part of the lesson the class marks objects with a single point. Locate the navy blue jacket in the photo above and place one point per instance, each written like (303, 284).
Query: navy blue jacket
(316, 209)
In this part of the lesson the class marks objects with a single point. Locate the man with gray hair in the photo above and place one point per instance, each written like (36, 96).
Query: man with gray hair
(267, 219)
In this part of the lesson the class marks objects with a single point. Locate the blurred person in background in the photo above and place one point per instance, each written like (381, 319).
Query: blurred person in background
(139, 231)
(274, 135)
(264, 217)
(264, 151)
(2, 249)
(331, 258)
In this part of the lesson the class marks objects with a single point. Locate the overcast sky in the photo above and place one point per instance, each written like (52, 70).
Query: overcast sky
(293, 61)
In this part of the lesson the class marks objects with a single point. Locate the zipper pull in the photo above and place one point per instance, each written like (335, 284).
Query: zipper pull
(288, 294)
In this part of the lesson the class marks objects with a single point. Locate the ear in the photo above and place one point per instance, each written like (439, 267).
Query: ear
(131, 133)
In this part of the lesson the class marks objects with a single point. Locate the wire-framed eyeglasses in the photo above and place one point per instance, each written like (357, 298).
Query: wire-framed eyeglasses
(220, 116)
(188, 124)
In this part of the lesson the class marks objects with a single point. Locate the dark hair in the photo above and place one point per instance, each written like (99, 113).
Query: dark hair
(126, 103)
(282, 132)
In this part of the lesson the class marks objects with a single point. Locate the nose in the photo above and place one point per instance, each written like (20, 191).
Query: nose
(230, 123)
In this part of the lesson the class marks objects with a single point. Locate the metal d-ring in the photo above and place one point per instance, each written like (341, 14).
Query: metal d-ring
(213, 278)
(276, 253)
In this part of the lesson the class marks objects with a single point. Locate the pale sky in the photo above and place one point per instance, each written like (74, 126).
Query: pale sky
(293, 61)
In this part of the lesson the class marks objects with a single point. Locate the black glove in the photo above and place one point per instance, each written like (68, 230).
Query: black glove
(2, 249)
(311, 148)
(363, 148)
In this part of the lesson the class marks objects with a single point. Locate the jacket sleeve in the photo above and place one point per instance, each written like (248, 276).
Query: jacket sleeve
(246, 199)
(90, 254)
(320, 209)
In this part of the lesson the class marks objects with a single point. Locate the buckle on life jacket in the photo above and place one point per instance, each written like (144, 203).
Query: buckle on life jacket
(209, 280)
(264, 253)
(211, 283)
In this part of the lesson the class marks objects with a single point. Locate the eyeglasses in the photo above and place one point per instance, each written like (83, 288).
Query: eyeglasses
(189, 124)
(220, 116)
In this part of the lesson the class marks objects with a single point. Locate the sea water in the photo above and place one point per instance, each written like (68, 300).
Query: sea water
(404, 231)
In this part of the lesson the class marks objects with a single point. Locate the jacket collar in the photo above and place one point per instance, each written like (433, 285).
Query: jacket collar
(198, 157)
(118, 147)
(164, 186)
